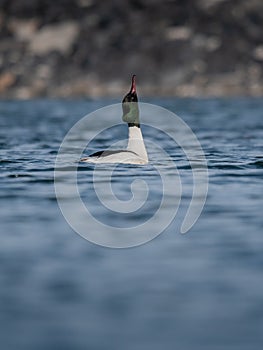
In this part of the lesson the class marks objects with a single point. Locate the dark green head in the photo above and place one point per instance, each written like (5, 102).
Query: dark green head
(130, 106)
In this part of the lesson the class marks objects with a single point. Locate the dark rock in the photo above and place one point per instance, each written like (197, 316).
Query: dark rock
(86, 47)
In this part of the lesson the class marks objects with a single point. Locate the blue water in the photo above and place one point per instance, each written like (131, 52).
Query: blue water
(202, 290)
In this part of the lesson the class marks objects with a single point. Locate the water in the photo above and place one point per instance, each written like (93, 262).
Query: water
(202, 290)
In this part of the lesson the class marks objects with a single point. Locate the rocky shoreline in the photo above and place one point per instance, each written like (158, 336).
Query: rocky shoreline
(87, 48)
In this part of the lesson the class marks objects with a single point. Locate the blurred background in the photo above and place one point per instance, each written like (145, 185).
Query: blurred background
(199, 291)
(78, 48)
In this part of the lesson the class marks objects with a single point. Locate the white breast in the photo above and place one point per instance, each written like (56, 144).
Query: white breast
(136, 143)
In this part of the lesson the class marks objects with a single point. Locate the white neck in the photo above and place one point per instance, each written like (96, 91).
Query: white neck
(135, 143)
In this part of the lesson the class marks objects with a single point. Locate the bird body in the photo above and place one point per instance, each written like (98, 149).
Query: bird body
(136, 152)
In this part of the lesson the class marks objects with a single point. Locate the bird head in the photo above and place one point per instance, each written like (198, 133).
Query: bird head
(130, 106)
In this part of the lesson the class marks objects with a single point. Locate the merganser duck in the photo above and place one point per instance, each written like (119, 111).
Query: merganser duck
(136, 152)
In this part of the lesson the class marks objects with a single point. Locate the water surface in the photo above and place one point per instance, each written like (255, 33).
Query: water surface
(202, 290)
